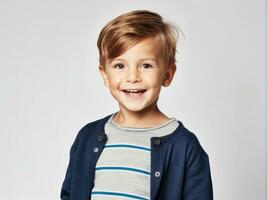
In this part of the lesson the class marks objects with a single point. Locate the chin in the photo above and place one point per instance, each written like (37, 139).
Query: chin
(133, 108)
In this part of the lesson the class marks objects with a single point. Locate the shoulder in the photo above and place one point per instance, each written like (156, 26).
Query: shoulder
(91, 128)
(92, 124)
(189, 139)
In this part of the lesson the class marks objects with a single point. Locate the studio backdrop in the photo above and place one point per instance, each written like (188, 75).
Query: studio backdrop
(50, 87)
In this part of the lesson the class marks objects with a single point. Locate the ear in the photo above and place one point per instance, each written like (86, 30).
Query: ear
(167, 79)
(103, 73)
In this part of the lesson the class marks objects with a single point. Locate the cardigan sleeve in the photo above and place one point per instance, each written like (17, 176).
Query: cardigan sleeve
(198, 182)
(65, 192)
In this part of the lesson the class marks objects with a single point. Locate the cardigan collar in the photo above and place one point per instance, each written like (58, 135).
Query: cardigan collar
(100, 127)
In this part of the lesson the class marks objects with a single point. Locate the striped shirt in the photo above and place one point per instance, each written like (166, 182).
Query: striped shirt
(123, 168)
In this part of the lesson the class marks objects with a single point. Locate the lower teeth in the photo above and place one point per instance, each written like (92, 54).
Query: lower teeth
(134, 93)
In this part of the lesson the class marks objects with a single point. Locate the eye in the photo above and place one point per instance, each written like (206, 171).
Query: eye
(146, 65)
(119, 66)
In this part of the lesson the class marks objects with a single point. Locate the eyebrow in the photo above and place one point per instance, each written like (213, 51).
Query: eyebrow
(143, 59)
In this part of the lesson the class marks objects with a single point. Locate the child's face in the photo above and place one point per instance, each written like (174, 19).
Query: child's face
(140, 67)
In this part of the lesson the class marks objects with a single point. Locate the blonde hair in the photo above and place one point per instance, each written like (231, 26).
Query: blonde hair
(128, 29)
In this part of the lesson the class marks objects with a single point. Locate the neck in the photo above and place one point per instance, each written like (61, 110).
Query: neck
(146, 118)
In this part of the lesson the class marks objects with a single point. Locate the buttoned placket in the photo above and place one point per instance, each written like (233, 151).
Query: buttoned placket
(156, 166)
(99, 146)
(94, 153)
(101, 142)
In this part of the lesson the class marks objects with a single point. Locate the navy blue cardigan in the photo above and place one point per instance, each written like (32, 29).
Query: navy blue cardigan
(182, 165)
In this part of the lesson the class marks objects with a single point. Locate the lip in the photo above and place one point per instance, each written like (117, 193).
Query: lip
(144, 90)
(134, 89)
(134, 95)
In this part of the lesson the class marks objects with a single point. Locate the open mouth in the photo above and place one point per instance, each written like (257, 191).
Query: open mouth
(134, 92)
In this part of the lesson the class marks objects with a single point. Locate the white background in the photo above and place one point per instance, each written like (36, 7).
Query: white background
(50, 87)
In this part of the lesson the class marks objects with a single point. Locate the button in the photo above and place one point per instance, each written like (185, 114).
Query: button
(100, 138)
(95, 149)
(157, 141)
(157, 173)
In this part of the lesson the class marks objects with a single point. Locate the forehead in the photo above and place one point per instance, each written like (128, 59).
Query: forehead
(147, 48)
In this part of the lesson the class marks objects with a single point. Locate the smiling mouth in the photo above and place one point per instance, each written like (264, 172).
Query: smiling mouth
(134, 92)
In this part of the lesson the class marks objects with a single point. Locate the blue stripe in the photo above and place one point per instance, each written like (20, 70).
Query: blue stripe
(126, 145)
(123, 168)
(118, 194)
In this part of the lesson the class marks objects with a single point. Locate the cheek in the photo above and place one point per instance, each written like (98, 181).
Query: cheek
(153, 80)
(114, 81)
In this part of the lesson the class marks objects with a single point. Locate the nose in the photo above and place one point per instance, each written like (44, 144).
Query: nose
(133, 75)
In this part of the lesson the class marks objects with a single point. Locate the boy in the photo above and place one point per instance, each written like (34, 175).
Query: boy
(137, 152)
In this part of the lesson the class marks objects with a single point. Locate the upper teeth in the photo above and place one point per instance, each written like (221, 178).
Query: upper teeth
(134, 90)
